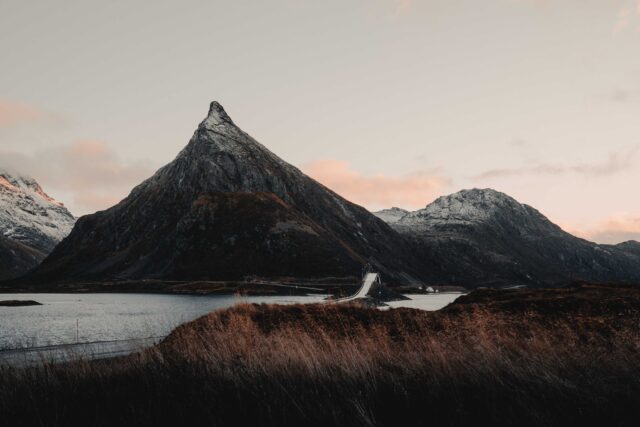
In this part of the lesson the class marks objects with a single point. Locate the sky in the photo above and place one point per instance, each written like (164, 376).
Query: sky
(388, 102)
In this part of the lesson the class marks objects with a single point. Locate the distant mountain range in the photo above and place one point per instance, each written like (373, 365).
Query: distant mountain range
(228, 209)
(484, 237)
(31, 224)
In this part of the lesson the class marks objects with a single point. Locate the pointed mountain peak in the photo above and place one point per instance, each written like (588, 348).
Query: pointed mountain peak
(216, 117)
(218, 135)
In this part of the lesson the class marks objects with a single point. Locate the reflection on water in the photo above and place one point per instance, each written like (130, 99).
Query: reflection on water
(106, 317)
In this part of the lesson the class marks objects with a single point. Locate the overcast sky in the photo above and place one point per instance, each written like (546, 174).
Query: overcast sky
(388, 102)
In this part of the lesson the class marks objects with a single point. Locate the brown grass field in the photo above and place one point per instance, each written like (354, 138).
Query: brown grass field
(503, 358)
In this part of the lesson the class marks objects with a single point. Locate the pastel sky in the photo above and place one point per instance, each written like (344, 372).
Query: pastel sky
(388, 102)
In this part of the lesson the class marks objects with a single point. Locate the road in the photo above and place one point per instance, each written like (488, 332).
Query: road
(367, 282)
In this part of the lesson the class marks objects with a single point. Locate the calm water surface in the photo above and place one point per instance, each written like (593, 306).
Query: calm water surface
(430, 302)
(106, 317)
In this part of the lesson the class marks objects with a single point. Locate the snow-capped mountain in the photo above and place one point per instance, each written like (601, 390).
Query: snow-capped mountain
(31, 223)
(227, 208)
(484, 237)
(476, 207)
(391, 216)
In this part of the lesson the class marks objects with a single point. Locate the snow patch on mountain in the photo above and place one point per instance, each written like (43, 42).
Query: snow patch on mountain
(466, 206)
(476, 206)
(391, 216)
(474, 209)
(29, 216)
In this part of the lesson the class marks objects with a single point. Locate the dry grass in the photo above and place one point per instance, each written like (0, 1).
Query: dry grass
(472, 364)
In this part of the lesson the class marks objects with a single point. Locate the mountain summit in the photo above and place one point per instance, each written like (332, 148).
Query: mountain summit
(31, 223)
(227, 208)
(476, 207)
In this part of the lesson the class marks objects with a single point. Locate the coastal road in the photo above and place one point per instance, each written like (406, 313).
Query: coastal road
(368, 281)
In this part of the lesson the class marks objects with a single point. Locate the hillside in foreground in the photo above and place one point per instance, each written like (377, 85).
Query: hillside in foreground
(556, 357)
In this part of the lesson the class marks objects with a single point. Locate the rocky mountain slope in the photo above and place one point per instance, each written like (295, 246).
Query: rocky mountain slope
(228, 208)
(391, 216)
(31, 224)
(630, 246)
(484, 237)
(16, 258)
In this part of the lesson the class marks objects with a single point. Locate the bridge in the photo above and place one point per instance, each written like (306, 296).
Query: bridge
(367, 282)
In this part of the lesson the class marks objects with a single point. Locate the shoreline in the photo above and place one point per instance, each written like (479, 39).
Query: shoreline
(178, 288)
(201, 287)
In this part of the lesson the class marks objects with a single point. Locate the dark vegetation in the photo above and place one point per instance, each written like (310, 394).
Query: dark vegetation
(503, 358)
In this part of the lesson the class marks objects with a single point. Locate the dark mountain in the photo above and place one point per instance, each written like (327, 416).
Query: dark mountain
(31, 224)
(227, 208)
(630, 246)
(486, 238)
(17, 258)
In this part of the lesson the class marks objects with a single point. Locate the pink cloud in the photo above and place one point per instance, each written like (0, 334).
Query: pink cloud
(14, 113)
(612, 230)
(404, 4)
(628, 17)
(377, 191)
(85, 175)
(91, 164)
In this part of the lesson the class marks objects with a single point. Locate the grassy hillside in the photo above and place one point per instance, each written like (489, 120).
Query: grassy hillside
(546, 357)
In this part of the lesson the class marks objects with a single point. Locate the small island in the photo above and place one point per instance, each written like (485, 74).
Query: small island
(18, 303)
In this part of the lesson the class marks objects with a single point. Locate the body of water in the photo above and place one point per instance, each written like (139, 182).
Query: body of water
(429, 302)
(71, 318)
